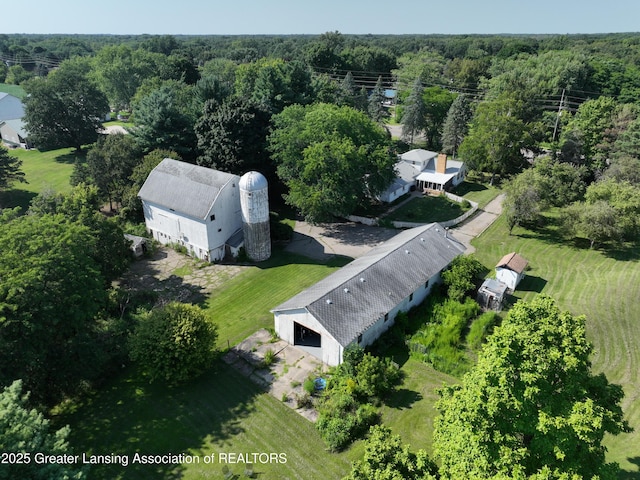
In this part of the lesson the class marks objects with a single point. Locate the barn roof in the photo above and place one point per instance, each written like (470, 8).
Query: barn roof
(514, 262)
(353, 298)
(184, 187)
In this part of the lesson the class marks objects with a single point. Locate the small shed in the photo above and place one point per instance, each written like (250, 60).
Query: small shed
(491, 294)
(510, 269)
(138, 244)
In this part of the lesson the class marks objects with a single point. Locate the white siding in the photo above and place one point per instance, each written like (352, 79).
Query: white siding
(331, 349)
(203, 238)
(508, 277)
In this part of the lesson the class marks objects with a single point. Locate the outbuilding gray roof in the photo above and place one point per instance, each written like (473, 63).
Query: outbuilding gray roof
(184, 187)
(355, 297)
(11, 107)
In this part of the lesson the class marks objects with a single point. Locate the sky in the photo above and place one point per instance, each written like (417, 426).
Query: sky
(234, 17)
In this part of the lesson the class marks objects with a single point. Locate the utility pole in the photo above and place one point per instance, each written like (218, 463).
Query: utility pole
(555, 128)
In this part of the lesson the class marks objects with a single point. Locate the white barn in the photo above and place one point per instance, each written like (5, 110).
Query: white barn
(193, 206)
(360, 301)
(510, 270)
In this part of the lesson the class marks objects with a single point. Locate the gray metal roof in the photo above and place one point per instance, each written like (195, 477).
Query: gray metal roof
(184, 187)
(11, 107)
(353, 298)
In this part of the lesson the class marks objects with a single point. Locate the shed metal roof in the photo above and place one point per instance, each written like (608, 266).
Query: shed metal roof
(355, 297)
(184, 187)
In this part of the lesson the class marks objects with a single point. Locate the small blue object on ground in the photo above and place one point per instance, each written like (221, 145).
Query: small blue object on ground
(320, 383)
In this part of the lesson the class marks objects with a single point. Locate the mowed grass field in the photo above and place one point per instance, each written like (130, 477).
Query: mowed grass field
(604, 286)
(43, 170)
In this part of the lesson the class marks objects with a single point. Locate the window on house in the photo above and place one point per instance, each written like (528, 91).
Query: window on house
(386, 317)
(212, 217)
(426, 284)
(360, 338)
(411, 297)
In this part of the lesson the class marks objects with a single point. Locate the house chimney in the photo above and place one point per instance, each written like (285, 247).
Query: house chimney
(441, 163)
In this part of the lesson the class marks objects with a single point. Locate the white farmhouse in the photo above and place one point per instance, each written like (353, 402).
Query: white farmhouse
(510, 270)
(193, 206)
(427, 171)
(360, 301)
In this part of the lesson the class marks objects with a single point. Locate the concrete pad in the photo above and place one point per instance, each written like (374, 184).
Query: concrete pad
(284, 378)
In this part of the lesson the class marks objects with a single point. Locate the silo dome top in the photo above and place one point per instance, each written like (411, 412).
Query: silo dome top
(253, 181)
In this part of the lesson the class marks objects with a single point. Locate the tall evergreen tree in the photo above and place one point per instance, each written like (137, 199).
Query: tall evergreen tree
(415, 112)
(456, 125)
(376, 108)
(9, 169)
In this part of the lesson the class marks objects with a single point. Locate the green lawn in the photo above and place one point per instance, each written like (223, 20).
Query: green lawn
(15, 90)
(479, 192)
(242, 306)
(43, 170)
(426, 210)
(220, 413)
(603, 286)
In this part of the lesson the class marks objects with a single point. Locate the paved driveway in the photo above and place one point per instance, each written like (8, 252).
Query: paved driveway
(477, 224)
(326, 240)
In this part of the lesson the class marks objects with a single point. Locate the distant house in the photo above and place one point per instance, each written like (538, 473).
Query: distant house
(12, 128)
(427, 171)
(510, 270)
(359, 302)
(193, 206)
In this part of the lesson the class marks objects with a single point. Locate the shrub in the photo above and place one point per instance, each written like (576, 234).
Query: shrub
(269, 357)
(481, 328)
(309, 386)
(173, 343)
(304, 401)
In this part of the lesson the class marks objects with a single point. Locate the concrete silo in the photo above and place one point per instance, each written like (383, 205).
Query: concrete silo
(254, 203)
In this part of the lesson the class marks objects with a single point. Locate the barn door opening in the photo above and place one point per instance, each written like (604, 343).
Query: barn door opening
(306, 337)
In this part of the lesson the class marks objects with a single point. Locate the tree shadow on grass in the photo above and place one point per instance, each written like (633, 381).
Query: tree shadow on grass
(532, 283)
(403, 398)
(72, 157)
(631, 474)
(16, 198)
(467, 187)
(130, 416)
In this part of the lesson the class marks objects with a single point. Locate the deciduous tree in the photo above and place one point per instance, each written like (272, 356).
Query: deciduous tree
(65, 109)
(332, 159)
(174, 343)
(50, 293)
(232, 137)
(495, 138)
(531, 406)
(386, 458)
